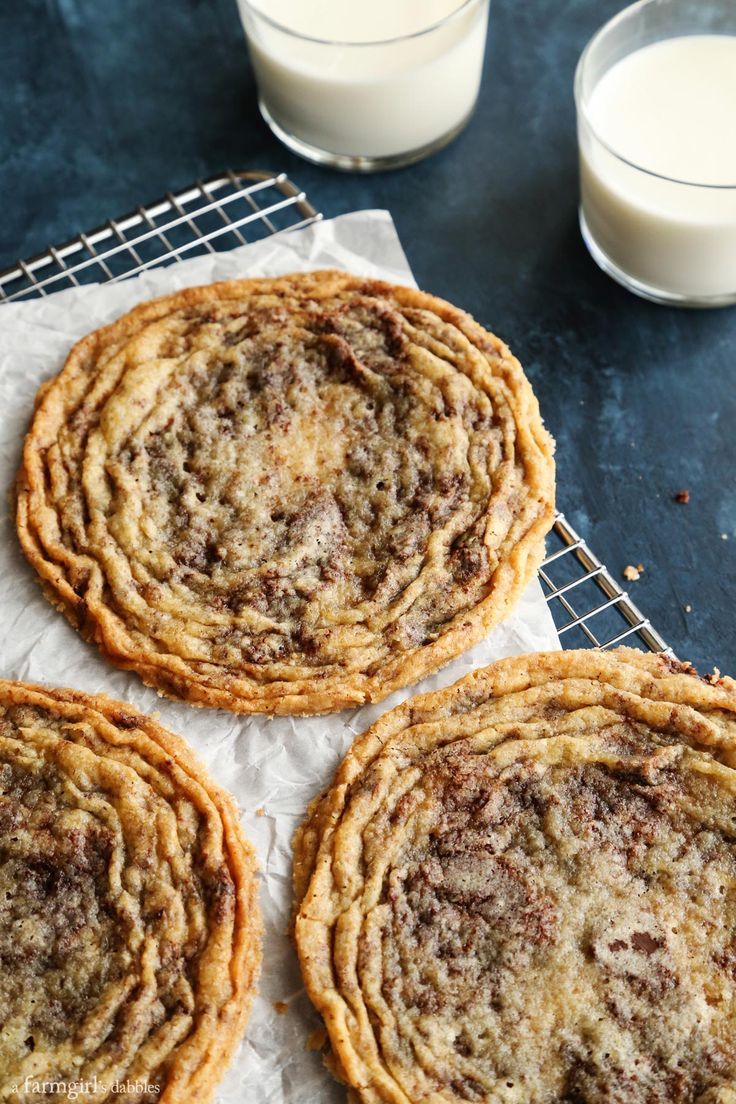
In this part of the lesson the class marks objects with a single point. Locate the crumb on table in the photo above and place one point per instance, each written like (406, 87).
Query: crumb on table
(260, 811)
(632, 573)
(682, 496)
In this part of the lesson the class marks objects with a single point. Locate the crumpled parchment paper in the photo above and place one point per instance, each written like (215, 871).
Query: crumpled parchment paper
(274, 766)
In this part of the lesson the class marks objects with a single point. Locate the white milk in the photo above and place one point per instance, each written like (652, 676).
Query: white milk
(368, 97)
(669, 108)
(353, 21)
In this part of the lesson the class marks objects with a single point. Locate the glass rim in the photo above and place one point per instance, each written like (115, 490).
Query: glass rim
(581, 106)
(251, 7)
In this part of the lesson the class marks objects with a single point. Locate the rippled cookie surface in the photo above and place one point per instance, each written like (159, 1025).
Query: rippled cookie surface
(523, 889)
(286, 495)
(129, 925)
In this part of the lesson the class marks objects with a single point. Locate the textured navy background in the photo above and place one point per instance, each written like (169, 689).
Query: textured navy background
(107, 105)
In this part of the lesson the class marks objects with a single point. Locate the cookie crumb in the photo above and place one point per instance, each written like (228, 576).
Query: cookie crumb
(632, 573)
(317, 1039)
(281, 1007)
(683, 497)
(260, 811)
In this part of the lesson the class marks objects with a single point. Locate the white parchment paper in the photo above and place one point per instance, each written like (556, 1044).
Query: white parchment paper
(275, 766)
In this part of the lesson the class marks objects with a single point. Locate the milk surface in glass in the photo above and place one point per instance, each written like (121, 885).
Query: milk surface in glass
(387, 77)
(669, 109)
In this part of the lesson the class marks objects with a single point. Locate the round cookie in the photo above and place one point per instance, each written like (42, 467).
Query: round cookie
(129, 920)
(286, 496)
(523, 889)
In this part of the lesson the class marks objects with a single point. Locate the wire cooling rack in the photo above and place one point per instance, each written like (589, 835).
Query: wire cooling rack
(589, 607)
(211, 215)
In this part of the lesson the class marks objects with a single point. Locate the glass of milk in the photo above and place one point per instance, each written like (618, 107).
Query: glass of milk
(656, 100)
(366, 86)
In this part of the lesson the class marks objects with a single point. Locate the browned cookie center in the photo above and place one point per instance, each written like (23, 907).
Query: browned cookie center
(292, 469)
(569, 926)
(59, 944)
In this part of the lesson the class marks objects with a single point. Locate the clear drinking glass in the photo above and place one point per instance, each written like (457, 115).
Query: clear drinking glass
(669, 240)
(367, 106)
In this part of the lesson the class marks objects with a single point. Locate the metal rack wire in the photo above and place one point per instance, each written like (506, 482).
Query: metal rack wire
(211, 215)
(589, 607)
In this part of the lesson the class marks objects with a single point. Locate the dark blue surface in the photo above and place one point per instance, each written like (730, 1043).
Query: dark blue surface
(107, 105)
